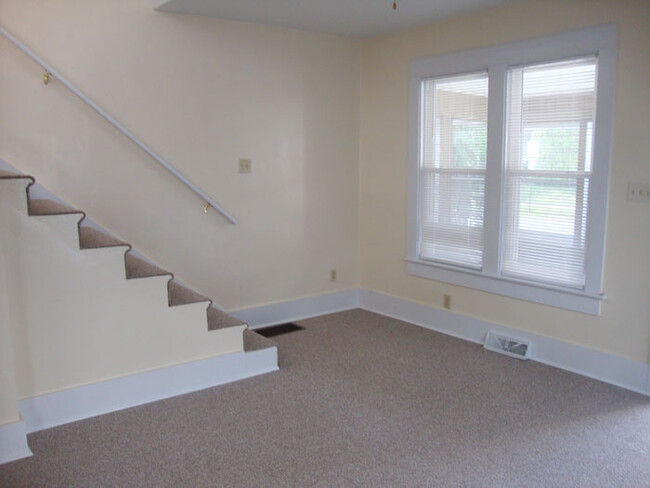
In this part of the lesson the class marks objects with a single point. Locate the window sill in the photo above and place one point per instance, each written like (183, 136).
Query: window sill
(575, 300)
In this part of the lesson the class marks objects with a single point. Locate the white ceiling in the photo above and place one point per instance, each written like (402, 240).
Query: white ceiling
(353, 18)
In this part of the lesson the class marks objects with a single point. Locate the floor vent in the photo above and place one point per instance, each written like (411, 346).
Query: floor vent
(277, 330)
(507, 345)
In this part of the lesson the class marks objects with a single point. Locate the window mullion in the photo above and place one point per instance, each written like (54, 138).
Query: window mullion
(494, 170)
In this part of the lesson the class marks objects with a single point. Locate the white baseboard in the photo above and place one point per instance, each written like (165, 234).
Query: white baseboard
(602, 366)
(45, 411)
(86, 401)
(301, 308)
(605, 367)
(13, 442)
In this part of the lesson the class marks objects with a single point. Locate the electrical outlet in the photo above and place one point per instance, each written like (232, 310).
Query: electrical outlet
(446, 301)
(638, 192)
(245, 166)
(332, 275)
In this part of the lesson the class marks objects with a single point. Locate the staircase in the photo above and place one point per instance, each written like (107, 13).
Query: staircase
(133, 318)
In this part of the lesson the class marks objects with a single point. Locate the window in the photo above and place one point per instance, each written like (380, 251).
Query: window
(452, 170)
(509, 165)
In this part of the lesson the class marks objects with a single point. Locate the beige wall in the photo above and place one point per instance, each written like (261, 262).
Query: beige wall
(202, 93)
(624, 326)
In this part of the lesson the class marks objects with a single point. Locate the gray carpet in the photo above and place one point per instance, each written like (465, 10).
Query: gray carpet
(362, 400)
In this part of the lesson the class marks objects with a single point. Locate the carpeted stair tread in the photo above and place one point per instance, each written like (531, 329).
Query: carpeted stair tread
(9, 174)
(50, 207)
(180, 295)
(138, 268)
(220, 320)
(255, 342)
(90, 238)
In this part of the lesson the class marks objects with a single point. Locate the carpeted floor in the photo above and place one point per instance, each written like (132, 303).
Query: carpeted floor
(362, 400)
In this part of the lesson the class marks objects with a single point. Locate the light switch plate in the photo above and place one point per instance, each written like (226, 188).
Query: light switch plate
(245, 166)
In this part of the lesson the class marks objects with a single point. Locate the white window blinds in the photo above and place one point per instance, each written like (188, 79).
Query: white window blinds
(452, 169)
(549, 131)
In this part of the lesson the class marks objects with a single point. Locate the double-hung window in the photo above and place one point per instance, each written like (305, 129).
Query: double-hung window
(509, 164)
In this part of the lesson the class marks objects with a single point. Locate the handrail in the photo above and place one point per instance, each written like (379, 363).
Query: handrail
(50, 72)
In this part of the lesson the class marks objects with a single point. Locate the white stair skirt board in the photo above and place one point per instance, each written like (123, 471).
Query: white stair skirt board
(45, 411)
(301, 308)
(13, 442)
(615, 370)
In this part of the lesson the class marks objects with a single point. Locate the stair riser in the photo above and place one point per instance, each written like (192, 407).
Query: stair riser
(109, 259)
(14, 193)
(154, 287)
(61, 228)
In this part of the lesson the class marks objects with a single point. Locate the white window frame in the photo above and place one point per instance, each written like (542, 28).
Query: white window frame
(599, 41)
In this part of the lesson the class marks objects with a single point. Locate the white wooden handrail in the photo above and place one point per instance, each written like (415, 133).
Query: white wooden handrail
(50, 72)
